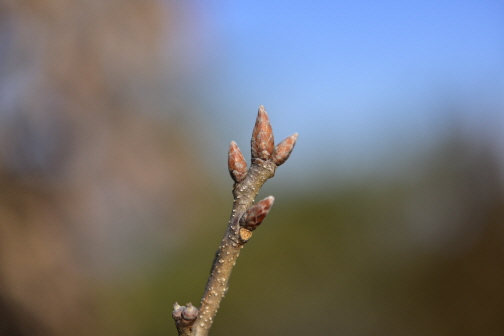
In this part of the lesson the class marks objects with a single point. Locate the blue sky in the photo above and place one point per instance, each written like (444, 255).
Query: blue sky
(358, 78)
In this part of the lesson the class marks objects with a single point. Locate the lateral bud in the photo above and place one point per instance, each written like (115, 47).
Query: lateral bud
(177, 311)
(263, 142)
(255, 215)
(284, 149)
(190, 312)
(236, 163)
(184, 316)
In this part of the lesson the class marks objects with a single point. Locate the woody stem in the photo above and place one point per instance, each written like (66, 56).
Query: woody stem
(233, 241)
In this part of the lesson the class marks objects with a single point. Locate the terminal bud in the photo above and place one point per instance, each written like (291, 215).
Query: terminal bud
(263, 142)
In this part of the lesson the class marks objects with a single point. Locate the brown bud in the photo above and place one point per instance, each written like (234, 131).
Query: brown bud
(284, 149)
(263, 141)
(236, 163)
(254, 216)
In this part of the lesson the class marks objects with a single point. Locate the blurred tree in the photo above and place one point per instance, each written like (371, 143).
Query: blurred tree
(89, 166)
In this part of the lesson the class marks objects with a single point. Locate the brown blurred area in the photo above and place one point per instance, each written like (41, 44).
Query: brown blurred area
(90, 165)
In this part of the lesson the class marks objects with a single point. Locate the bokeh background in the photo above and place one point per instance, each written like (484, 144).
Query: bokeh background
(115, 120)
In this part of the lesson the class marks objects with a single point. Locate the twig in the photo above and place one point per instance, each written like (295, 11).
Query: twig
(244, 219)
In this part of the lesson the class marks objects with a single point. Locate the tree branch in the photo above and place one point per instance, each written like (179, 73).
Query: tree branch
(244, 218)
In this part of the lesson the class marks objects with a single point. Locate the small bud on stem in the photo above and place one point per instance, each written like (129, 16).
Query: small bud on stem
(284, 149)
(190, 313)
(236, 163)
(177, 311)
(184, 318)
(256, 214)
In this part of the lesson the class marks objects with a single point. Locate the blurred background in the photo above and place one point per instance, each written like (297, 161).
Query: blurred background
(115, 120)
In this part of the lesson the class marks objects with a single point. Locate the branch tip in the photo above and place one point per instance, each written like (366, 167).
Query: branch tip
(245, 218)
(263, 142)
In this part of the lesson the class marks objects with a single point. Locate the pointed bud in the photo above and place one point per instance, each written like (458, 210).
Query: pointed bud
(284, 149)
(256, 214)
(263, 141)
(236, 163)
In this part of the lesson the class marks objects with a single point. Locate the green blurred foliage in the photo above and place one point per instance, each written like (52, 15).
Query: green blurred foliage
(347, 259)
